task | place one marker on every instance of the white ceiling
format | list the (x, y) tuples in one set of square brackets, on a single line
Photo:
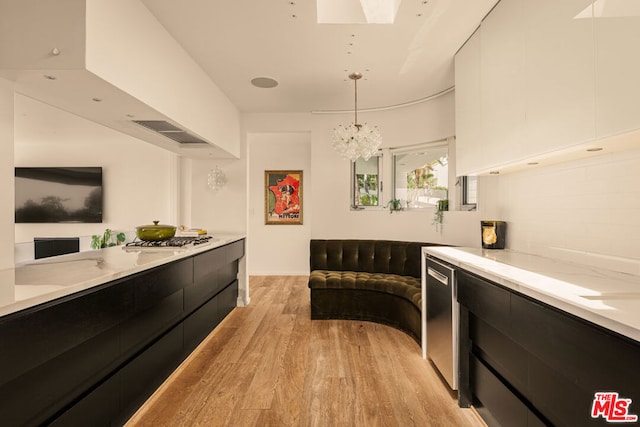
[(237, 40)]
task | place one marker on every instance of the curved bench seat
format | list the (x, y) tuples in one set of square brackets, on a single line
[(406, 287), (371, 280)]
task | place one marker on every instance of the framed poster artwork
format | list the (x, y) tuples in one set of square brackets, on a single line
[(283, 197)]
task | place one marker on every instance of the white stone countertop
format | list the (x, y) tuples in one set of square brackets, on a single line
[(603, 297), (44, 280)]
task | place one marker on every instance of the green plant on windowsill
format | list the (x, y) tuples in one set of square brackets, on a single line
[(441, 207), (394, 205), (438, 217), (106, 240)]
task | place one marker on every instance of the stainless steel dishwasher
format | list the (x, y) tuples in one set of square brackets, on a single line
[(442, 319)]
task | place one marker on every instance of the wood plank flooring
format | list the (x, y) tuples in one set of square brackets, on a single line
[(268, 364)]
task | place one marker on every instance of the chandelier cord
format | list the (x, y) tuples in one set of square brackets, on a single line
[(356, 140), (355, 84)]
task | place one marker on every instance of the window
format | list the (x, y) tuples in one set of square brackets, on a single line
[(421, 176), (469, 200), (366, 182)]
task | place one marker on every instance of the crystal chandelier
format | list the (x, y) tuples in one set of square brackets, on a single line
[(356, 140), (216, 179)]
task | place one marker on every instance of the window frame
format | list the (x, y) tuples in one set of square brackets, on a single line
[(416, 149), (352, 197), (465, 203)]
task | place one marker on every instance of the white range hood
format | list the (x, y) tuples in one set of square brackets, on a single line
[(110, 61)]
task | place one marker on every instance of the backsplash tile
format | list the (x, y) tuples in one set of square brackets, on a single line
[(585, 211)]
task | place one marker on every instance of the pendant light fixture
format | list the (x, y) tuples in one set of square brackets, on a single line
[(356, 140)]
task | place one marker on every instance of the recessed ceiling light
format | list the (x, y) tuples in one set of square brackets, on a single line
[(96, 99), (533, 163), (594, 149), (264, 82), (49, 77)]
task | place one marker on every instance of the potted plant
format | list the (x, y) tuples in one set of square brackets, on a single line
[(441, 207), (106, 239), (394, 205)]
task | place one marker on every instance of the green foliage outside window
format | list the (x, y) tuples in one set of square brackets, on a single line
[(367, 189)]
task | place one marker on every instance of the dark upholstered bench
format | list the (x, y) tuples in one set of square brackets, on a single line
[(372, 280)]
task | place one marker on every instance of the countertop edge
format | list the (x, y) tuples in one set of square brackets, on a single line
[(559, 302), (171, 256)]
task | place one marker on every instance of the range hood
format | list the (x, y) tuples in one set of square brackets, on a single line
[(112, 62), (170, 131)]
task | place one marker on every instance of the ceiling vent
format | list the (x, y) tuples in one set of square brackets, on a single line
[(170, 131)]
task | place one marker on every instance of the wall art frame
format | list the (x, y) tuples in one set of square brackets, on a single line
[(283, 197)]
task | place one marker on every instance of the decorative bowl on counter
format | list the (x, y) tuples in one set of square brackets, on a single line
[(155, 232)]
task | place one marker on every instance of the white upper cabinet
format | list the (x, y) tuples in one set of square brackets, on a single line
[(559, 75), (467, 103), (554, 77), (502, 91), (617, 51)]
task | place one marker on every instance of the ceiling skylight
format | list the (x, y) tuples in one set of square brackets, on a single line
[(357, 11), (611, 9)]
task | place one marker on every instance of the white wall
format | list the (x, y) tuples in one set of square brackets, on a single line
[(139, 179), (6, 173), (583, 211), (278, 249), (327, 191), (223, 211)]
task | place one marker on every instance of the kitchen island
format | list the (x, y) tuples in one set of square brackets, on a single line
[(87, 337), (545, 342)]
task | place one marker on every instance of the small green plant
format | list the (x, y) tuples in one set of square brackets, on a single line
[(438, 217), (106, 239), (394, 205)]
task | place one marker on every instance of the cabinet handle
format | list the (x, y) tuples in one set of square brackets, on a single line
[(438, 276)]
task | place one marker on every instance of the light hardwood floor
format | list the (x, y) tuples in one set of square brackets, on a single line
[(268, 364)]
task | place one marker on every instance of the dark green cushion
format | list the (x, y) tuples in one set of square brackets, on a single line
[(406, 287), (371, 256)]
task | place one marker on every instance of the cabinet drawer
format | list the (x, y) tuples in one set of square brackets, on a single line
[(199, 324), (235, 251), (484, 299), (152, 287), (227, 300), (206, 286), (95, 409), (581, 352), (507, 358), (495, 402), (207, 263), (145, 373), (36, 336)]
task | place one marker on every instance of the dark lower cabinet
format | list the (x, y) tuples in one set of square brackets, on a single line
[(141, 376), (524, 363), (200, 323), (93, 358), (495, 402), (100, 407)]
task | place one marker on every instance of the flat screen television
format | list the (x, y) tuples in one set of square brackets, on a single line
[(58, 194)]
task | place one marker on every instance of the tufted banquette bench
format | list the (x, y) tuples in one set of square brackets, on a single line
[(372, 280)]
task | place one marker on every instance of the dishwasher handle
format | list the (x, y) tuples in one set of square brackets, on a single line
[(438, 276)]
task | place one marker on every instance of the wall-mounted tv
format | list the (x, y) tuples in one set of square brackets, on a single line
[(58, 194)]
